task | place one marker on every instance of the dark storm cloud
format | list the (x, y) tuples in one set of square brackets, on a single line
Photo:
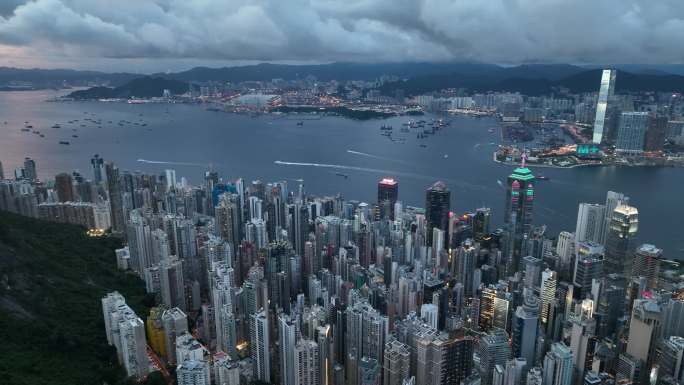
[(504, 31), (8, 6)]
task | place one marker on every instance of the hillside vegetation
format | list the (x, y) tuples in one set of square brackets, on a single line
[(52, 277)]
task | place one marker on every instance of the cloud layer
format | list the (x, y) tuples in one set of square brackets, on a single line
[(501, 31)]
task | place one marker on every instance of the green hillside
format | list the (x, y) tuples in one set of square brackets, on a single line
[(52, 277)]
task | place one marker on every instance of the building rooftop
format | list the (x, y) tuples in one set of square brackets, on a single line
[(388, 181)]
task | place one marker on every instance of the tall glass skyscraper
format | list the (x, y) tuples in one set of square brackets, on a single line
[(437, 204), (518, 219), (605, 93)]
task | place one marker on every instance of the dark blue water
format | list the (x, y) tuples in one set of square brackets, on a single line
[(242, 146)]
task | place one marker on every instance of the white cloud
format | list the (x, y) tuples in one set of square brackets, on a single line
[(503, 31)]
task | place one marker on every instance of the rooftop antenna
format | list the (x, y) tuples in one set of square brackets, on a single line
[(523, 158)]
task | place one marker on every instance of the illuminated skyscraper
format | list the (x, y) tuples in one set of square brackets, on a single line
[(437, 204), (613, 200), (388, 192), (623, 228), (605, 93), (518, 216), (547, 293)]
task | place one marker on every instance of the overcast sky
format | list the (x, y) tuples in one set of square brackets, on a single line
[(158, 35)]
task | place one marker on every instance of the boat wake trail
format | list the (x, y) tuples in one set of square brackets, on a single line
[(171, 163), (375, 156), (336, 166), (352, 168), (432, 178)]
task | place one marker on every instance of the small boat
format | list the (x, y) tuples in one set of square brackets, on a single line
[(543, 177), (74, 136), (423, 145), (300, 123), (25, 129), (56, 126), (386, 128), (446, 156), (64, 142), (491, 130), (345, 176), (29, 126)]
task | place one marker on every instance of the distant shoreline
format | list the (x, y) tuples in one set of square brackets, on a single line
[(544, 165)]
